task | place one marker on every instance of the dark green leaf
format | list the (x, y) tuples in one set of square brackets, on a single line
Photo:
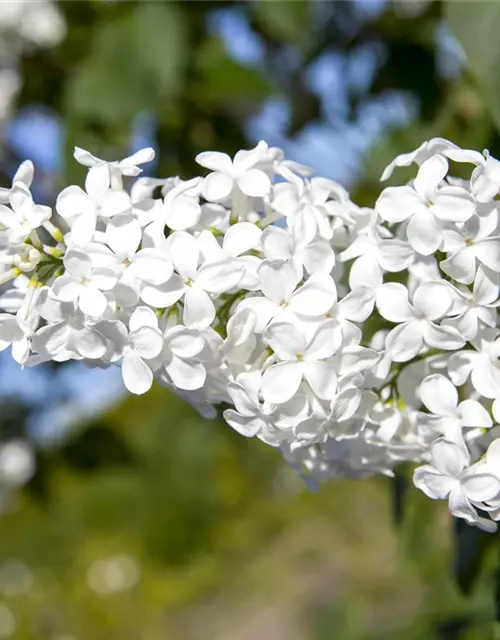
[(470, 548), (97, 447)]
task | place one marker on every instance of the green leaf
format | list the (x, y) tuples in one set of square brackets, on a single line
[(97, 447), (136, 63), (285, 20), (477, 25), (470, 548), (225, 79)]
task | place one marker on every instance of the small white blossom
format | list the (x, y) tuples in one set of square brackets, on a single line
[(241, 172), (416, 321)]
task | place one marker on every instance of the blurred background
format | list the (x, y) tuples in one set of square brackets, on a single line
[(132, 518)]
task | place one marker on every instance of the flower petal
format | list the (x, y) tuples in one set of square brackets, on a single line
[(247, 426), (92, 302), (434, 484), (123, 235), (137, 376), (396, 204), (217, 186), (404, 342), (285, 340), (278, 280), (185, 374), (473, 414), (325, 341), (240, 238), (392, 302), (165, 294), (439, 395), (322, 378), (432, 300), (281, 381), (254, 183), (221, 276), (423, 233), (315, 297), (449, 458), (199, 310), (215, 161)]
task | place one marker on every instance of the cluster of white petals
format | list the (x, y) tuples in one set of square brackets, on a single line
[(353, 339)]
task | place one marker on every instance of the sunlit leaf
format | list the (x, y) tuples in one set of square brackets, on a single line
[(476, 25), (136, 63), (225, 79)]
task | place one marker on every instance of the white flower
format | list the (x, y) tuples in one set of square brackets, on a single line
[(426, 205), (81, 209), (448, 476), (24, 216), (193, 282), (356, 306), (15, 333), (238, 240), (24, 174), (477, 306), (300, 359), (289, 359), (485, 179), (109, 174), (424, 152), (417, 326), (17, 330), (282, 298), (482, 365), (240, 172), (241, 340), (84, 284), (305, 206), (68, 334), (373, 255), (142, 342), (448, 415), (180, 349), (123, 257), (280, 244), (24, 257), (181, 207), (473, 243), (251, 417)]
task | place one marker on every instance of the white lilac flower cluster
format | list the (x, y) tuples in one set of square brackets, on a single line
[(351, 338)]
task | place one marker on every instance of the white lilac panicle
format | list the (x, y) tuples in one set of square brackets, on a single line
[(353, 339)]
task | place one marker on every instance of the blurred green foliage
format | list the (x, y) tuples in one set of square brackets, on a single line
[(229, 543), (226, 543), (477, 27)]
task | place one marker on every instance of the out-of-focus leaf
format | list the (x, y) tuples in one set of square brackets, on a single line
[(97, 447), (225, 79), (423, 81), (284, 20), (496, 598), (476, 25), (136, 63), (470, 548), (399, 490)]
